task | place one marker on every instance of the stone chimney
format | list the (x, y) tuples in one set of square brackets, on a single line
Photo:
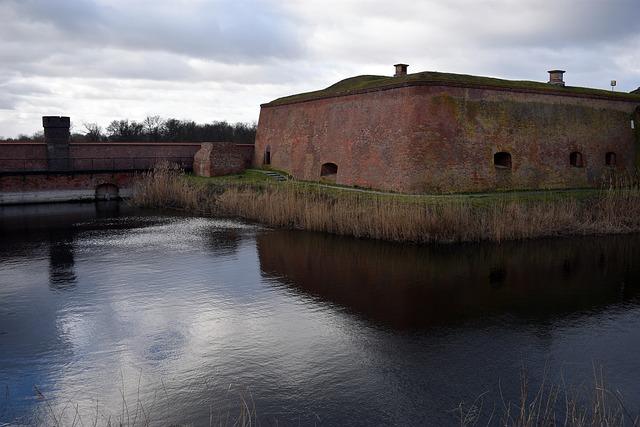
[(56, 136), (401, 70), (556, 77)]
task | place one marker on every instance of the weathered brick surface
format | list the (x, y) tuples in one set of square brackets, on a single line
[(63, 181), (131, 154), (442, 139), (97, 156), (23, 156), (222, 158)]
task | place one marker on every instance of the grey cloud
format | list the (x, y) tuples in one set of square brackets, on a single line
[(225, 30), (12, 92), (219, 59), (558, 24), (24, 88), (6, 103)]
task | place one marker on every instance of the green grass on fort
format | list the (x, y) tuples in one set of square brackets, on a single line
[(371, 82), (258, 178)]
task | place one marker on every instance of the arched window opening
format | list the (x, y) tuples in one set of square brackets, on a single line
[(107, 192), (610, 158), (502, 160), (267, 155), (329, 172), (575, 159)]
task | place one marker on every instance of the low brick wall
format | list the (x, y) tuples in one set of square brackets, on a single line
[(131, 155), (98, 156), (23, 156), (64, 181), (222, 158), (63, 186), (26, 175)]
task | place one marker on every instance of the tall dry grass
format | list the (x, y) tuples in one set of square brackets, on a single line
[(224, 411), (551, 404), (615, 209)]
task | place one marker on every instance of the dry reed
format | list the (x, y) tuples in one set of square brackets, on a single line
[(551, 404), (548, 404), (615, 209), (240, 411)]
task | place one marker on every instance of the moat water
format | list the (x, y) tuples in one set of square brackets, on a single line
[(183, 318)]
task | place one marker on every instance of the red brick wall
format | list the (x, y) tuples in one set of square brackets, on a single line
[(442, 139), (21, 156), (222, 158), (120, 155), (63, 181), (131, 154)]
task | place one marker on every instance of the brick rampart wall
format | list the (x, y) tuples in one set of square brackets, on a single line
[(131, 154), (63, 181), (222, 158), (97, 156), (21, 156), (443, 139)]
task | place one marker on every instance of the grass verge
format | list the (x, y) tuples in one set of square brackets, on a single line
[(396, 217)]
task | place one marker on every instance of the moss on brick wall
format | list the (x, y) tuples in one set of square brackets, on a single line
[(443, 139)]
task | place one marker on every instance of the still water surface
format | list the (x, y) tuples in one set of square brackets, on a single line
[(183, 316)]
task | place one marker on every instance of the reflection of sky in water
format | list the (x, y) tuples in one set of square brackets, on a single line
[(182, 307)]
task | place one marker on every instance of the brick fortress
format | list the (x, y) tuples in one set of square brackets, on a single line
[(436, 132)]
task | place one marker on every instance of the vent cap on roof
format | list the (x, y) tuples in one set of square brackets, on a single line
[(556, 77), (401, 70)]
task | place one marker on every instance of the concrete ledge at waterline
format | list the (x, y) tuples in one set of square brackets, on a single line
[(55, 196)]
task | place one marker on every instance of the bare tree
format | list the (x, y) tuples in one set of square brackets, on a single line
[(125, 130), (157, 129), (153, 127), (93, 132)]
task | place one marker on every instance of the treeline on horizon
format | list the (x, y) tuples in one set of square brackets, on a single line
[(156, 129)]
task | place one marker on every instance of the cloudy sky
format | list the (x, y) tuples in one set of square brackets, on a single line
[(99, 60)]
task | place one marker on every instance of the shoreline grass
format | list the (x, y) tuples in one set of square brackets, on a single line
[(551, 404), (396, 217), (544, 401)]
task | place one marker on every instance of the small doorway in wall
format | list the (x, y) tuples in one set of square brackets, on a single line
[(610, 158), (502, 160), (575, 159), (502, 164), (329, 172), (267, 155), (107, 192)]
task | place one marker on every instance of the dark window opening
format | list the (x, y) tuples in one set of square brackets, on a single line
[(575, 159), (610, 159), (267, 155), (497, 276), (107, 192), (502, 160), (329, 171)]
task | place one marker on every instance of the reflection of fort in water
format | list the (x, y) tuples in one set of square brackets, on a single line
[(409, 286), (62, 274), (23, 226)]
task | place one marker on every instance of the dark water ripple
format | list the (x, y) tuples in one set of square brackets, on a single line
[(184, 314)]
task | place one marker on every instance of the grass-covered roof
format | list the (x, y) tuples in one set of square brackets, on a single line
[(368, 83)]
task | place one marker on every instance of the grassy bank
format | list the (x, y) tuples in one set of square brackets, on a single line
[(457, 218)]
